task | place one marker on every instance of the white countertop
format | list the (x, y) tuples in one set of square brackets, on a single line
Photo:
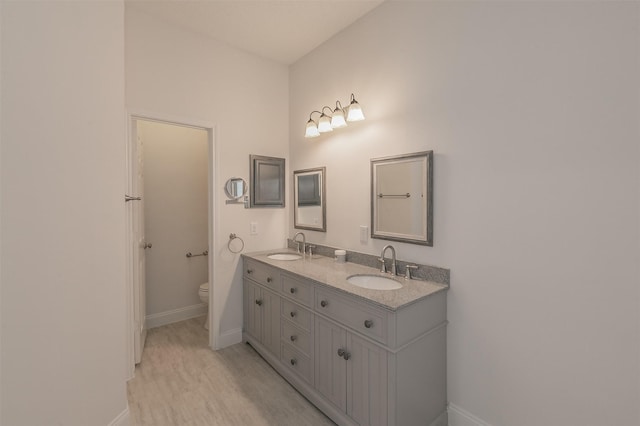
[(328, 272)]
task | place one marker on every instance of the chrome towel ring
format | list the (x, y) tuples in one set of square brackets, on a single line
[(233, 237)]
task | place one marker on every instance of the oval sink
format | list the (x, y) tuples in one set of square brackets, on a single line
[(284, 256), (374, 282)]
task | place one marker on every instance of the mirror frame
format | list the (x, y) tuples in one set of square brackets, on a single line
[(257, 198), (323, 198), (427, 239), (229, 182)]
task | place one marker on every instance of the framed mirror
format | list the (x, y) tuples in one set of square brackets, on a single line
[(235, 188), (309, 199), (267, 181), (402, 198)]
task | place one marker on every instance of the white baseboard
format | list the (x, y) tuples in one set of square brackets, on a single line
[(229, 338), (461, 417), (122, 419), (175, 315)]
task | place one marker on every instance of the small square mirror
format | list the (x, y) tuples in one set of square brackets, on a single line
[(267, 181)]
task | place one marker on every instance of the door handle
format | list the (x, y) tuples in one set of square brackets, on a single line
[(130, 198), (147, 245)]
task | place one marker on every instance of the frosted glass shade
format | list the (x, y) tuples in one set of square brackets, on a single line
[(337, 120), (324, 124), (355, 112), (312, 130)]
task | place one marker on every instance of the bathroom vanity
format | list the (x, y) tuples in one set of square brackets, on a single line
[(362, 356)]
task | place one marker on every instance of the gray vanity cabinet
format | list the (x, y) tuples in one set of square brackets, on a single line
[(262, 308), (357, 361), (351, 373)]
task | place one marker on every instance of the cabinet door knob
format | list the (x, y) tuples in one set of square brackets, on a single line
[(346, 356), (292, 290), (293, 338), (324, 303), (368, 323), (258, 302), (293, 314), (269, 279), (249, 271), (293, 361), (341, 352)]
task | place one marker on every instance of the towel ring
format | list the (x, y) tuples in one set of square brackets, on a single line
[(235, 237)]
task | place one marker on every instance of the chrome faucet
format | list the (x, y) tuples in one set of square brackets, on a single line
[(393, 260), (304, 242)]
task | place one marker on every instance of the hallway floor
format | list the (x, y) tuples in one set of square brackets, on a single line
[(180, 381)]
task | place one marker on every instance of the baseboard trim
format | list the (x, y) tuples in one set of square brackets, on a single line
[(122, 419), (461, 417), (229, 338), (175, 315)]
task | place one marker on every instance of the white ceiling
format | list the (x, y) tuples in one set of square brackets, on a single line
[(281, 30)]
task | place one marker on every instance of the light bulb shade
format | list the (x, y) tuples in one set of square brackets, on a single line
[(324, 124), (312, 130), (337, 120), (355, 112)]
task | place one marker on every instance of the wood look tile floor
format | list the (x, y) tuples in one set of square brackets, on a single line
[(181, 381)]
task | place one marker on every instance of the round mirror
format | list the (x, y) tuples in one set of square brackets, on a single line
[(235, 188)]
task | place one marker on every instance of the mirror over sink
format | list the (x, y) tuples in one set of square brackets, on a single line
[(309, 199), (402, 198)]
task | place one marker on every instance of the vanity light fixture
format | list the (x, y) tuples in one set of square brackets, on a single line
[(312, 127), (355, 110), (335, 119), (324, 122)]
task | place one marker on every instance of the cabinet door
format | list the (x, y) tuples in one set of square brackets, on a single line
[(366, 382), (271, 321), (330, 367), (253, 313)]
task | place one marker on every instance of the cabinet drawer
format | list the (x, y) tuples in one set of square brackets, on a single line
[(367, 320), (297, 338), (298, 362), (297, 290), (297, 314), (262, 274)]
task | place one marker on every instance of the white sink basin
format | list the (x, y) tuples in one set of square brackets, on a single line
[(374, 282), (284, 256)]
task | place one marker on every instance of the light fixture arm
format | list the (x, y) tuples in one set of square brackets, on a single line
[(331, 111), (310, 114)]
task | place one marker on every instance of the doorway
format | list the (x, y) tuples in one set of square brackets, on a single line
[(171, 170)]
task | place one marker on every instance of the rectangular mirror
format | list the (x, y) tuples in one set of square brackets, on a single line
[(309, 204), (402, 198), (267, 181)]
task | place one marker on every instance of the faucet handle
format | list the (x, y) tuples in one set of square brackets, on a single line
[(408, 271), (310, 247), (383, 269)]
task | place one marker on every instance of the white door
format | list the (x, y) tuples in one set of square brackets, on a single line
[(138, 244)]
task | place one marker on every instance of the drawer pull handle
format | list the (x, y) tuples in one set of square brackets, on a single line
[(292, 290), (324, 303), (269, 279), (346, 356), (258, 302), (341, 352), (293, 338), (293, 361), (249, 271), (293, 314), (368, 323)]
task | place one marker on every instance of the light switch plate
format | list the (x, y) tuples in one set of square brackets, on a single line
[(253, 228), (364, 233)]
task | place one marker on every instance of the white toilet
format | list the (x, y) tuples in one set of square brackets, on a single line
[(204, 297)]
